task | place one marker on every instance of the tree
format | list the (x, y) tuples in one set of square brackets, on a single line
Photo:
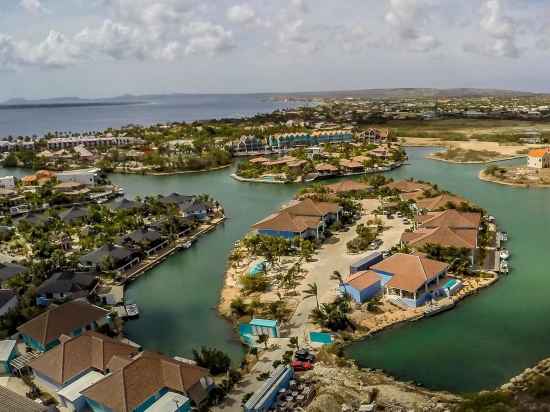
[(254, 352), (336, 275), (312, 291), (263, 338), (214, 360), (294, 342)]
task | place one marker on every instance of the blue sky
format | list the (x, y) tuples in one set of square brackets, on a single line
[(95, 48)]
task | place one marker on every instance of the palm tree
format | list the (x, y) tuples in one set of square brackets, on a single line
[(336, 275), (263, 339), (312, 291), (294, 342)]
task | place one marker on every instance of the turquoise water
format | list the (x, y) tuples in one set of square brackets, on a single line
[(492, 336)]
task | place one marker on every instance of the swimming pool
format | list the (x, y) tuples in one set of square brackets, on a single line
[(259, 267)]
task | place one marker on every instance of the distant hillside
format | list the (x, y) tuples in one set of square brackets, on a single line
[(415, 92)]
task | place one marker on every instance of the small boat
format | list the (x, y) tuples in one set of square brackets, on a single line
[(504, 267), (187, 245), (504, 254), (433, 310), (132, 310), (490, 218), (504, 236)]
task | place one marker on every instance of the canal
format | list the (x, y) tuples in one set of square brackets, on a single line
[(480, 344)]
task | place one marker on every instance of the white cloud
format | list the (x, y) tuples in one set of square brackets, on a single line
[(500, 30), (241, 14), (33, 6), (208, 38), (405, 18)]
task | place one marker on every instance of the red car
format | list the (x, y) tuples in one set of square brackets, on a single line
[(299, 366)]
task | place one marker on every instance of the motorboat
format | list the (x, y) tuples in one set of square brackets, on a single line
[(504, 254)]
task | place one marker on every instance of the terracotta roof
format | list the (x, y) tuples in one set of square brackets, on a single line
[(347, 186), (309, 207), (409, 272), (361, 159), (259, 160), (286, 222), (61, 320), (135, 381), (538, 152), (407, 186), (350, 164), (443, 236), (76, 355), (325, 167), (363, 280), (441, 201), (450, 218)]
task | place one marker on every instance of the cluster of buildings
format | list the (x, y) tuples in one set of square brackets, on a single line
[(539, 158), (249, 145), (64, 352), (306, 219), (92, 141)]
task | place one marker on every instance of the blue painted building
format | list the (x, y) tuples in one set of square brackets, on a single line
[(362, 286), (366, 262)]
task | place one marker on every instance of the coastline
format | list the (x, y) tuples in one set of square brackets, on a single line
[(181, 172), (474, 162), (487, 178)]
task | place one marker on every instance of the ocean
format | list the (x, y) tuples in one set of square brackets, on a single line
[(41, 119)]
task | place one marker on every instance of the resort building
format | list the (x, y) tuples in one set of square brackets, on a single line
[(376, 136), (6, 146), (148, 382), (306, 219), (77, 361), (72, 319), (332, 136), (289, 140), (67, 142), (409, 279), (264, 398), (539, 158), (249, 145)]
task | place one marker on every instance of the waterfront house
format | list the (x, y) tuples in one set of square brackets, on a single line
[(305, 219), (539, 158), (450, 218), (109, 257), (410, 279), (362, 286), (8, 301), (10, 270), (87, 177), (77, 362), (18, 403), (146, 239), (8, 352), (249, 144), (326, 169), (196, 209), (83, 153), (148, 382), (65, 285), (351, 167), (72, 319), (443, 201)]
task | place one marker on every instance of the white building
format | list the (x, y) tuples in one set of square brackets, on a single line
[(539, 158), (7, 182), (84, 176)]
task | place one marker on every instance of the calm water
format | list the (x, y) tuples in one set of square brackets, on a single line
[(480, 344), (29, 121)]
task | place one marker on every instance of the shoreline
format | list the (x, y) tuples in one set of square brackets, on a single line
[(474, 162), (486, 178), (181, 172)]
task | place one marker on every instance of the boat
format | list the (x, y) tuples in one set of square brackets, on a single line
[(433, 310), (187, 244), (132, 310), (504, 267), (503, 236), (490, 219), (504, 254)]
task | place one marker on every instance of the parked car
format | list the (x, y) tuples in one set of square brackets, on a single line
[(304, 355), (390, 216), (375, 244), (299, 366)]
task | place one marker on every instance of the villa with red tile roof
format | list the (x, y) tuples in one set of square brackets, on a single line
[(539, 158)]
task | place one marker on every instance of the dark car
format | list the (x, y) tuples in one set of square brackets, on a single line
[(304, 355)]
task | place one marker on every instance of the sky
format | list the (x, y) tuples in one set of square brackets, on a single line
[(97, 48)]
